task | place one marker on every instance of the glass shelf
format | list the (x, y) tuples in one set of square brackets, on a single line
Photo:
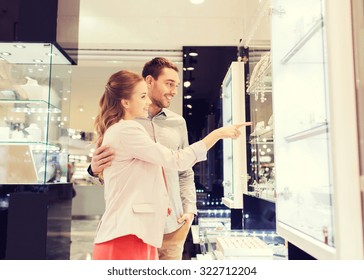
[(37, 146), (318, 129), (316, 26), (262, 194), (266, 132), (29, 106)]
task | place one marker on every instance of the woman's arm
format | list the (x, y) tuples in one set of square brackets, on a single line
[(231, 131), (136, 142)]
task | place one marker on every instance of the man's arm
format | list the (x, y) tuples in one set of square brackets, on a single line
[(101, 158), (188, 195), (187, 186)]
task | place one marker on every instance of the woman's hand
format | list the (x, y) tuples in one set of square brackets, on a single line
[(232, 131)]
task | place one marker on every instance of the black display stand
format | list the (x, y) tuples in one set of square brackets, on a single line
[(295, 253), (259, 214), (236, 219), (36, 223)]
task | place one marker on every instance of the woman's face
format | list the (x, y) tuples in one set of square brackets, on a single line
[(139, 101)]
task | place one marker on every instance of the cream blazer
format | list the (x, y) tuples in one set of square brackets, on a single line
[(136, 196)]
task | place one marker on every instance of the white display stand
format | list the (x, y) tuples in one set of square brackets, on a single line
[(234, 151)]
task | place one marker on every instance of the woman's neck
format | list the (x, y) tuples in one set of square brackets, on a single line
[(128, 116)]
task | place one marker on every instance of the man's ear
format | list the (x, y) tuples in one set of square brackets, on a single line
[(125, 103), (149, 80)]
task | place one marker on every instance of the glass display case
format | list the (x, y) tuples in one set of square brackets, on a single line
[(261, 170), (234, 151), (242, 244), (262, 177), (35, 86), (313, 101)]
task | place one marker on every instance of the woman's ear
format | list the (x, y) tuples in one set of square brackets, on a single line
[(125, 103)]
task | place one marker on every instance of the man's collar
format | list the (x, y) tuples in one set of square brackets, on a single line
[(162, 113)]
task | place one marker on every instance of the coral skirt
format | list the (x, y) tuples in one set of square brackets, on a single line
[(128, 247)]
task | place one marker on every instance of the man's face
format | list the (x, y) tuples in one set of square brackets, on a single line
[(162, 90)]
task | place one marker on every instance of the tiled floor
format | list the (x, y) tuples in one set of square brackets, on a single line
[(82, 236)]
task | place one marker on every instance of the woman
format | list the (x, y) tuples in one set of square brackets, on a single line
[(136, 195)]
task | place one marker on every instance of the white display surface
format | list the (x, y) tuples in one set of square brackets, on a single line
[(234, 151), (311, 199)]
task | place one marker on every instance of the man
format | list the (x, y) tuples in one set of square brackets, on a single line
[(169, 129)]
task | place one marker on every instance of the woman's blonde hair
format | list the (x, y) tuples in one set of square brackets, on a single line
[(119, 86)]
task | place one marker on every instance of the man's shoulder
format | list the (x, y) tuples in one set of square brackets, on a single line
[(173, 115)]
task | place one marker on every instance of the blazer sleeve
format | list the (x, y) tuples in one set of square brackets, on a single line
[(138, 144)]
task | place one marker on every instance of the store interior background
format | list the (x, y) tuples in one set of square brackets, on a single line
[(116, 35), (202, 40)]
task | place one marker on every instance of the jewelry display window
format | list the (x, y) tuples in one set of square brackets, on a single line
[(261, 140), (35, 88), (302, 140), (317, 140)]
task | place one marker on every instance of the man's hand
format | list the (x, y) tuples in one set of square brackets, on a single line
[(186, 218), (101, 158)]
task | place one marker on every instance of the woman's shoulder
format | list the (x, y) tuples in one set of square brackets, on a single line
[(124, 129), (126, 126)]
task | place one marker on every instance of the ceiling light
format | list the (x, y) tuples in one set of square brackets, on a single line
[(115, 61), (187, 84), (190, 68), (188, 97), (189, 106), (193, 54), (5, 53)]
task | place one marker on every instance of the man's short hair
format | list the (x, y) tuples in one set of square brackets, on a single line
[(155, 66)]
